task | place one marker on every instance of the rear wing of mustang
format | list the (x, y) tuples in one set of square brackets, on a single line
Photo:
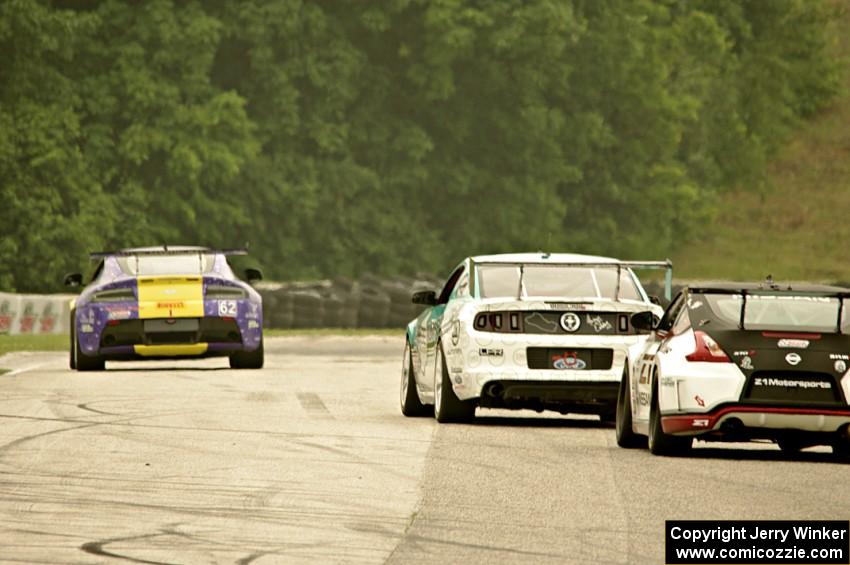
[(666, 265), (165, 251)]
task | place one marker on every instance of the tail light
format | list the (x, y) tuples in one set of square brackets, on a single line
[(505, 322), (225, 292), (114, 295), (707, 350)]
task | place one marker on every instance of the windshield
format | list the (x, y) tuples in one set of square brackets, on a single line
[(557, 281), (183, 264), (777, 312)]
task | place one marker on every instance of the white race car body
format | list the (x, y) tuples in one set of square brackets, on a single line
[(564, 352), (706, 376)]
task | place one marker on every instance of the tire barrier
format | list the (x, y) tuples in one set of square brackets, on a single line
[(34, 314), (370, 302)]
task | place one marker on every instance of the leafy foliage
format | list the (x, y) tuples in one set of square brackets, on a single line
[(343, 137)]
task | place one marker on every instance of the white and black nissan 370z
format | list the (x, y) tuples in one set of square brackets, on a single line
[(741, 362)]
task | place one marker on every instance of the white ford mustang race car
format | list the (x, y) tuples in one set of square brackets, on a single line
[(532, 330), (741, 362)]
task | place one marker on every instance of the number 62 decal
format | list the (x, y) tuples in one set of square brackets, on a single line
[(227, 308)]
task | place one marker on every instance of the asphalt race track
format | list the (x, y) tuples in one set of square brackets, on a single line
[(310, 461)]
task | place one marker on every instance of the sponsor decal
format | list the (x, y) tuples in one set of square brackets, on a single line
[(568, 305), (455, 331), (643, 398), (253, 311), (793, 343), (118, 314), (170, 305), (700, 423), (668, 381), (569, 360), (598, 323), (747, 363), (570, 322), (227, 308), (541, 322), (791, 383), (86, 328), (841, 366), (490, 352), (841, 356), (699, 401), (793, 359), (253, 324)]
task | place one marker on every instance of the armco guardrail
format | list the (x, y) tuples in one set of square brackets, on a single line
[(34, 314)]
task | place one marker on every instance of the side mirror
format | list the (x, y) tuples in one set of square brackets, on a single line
[(655, 300), (644, 321), (253, 275), (73, 279), (426, 297)]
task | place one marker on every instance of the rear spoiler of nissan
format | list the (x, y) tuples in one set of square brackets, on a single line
[(667, 265), (772, 289), (165, 251)]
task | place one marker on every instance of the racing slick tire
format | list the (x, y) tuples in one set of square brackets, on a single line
[(659, 442), (411, 406), (72, 354), (447, 406), (841, 445), (248, 359), (791, 445), (626, 437), (83, 362)]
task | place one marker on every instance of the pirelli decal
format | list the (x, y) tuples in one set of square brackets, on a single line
[(171, 297)]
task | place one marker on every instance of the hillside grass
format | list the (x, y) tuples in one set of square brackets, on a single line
[(10, 343), (798, 227)]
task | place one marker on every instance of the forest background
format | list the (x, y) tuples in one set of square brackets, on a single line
[(337, 138)]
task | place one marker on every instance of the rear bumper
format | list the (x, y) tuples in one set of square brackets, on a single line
[(584, 397), (756, 421)]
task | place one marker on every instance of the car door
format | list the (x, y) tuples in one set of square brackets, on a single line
[(645, 363), (434, 322)]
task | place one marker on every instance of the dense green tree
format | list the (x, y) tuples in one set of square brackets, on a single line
[(390, 136)]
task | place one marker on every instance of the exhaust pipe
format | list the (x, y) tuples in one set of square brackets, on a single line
[(494, 390)]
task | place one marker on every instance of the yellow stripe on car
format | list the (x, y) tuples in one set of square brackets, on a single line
[(171, 297), (170, 350)]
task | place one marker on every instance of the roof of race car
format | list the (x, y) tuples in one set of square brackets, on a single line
[(542, 258), (766, 286)]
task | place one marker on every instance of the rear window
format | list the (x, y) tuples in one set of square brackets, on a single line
[(775, 312), (502, 281), (183, 264)]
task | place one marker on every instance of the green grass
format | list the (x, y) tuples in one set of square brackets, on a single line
[(335, 332), (798, 227), (9, 343)]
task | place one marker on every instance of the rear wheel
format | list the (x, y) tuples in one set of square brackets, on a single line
[(72, 353), (659, 442), (248, 359), (447, 406), (411, 406), (841, 445), (791, 444), (626, 437), (83, 362)]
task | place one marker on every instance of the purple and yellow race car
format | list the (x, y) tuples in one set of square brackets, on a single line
[(163, 303)]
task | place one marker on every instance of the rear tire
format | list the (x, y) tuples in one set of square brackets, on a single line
[(447, 406), (83, 362), (626, 436), (659, 442), (72, 353), (248, 359), (790, 445), (411, 406)]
